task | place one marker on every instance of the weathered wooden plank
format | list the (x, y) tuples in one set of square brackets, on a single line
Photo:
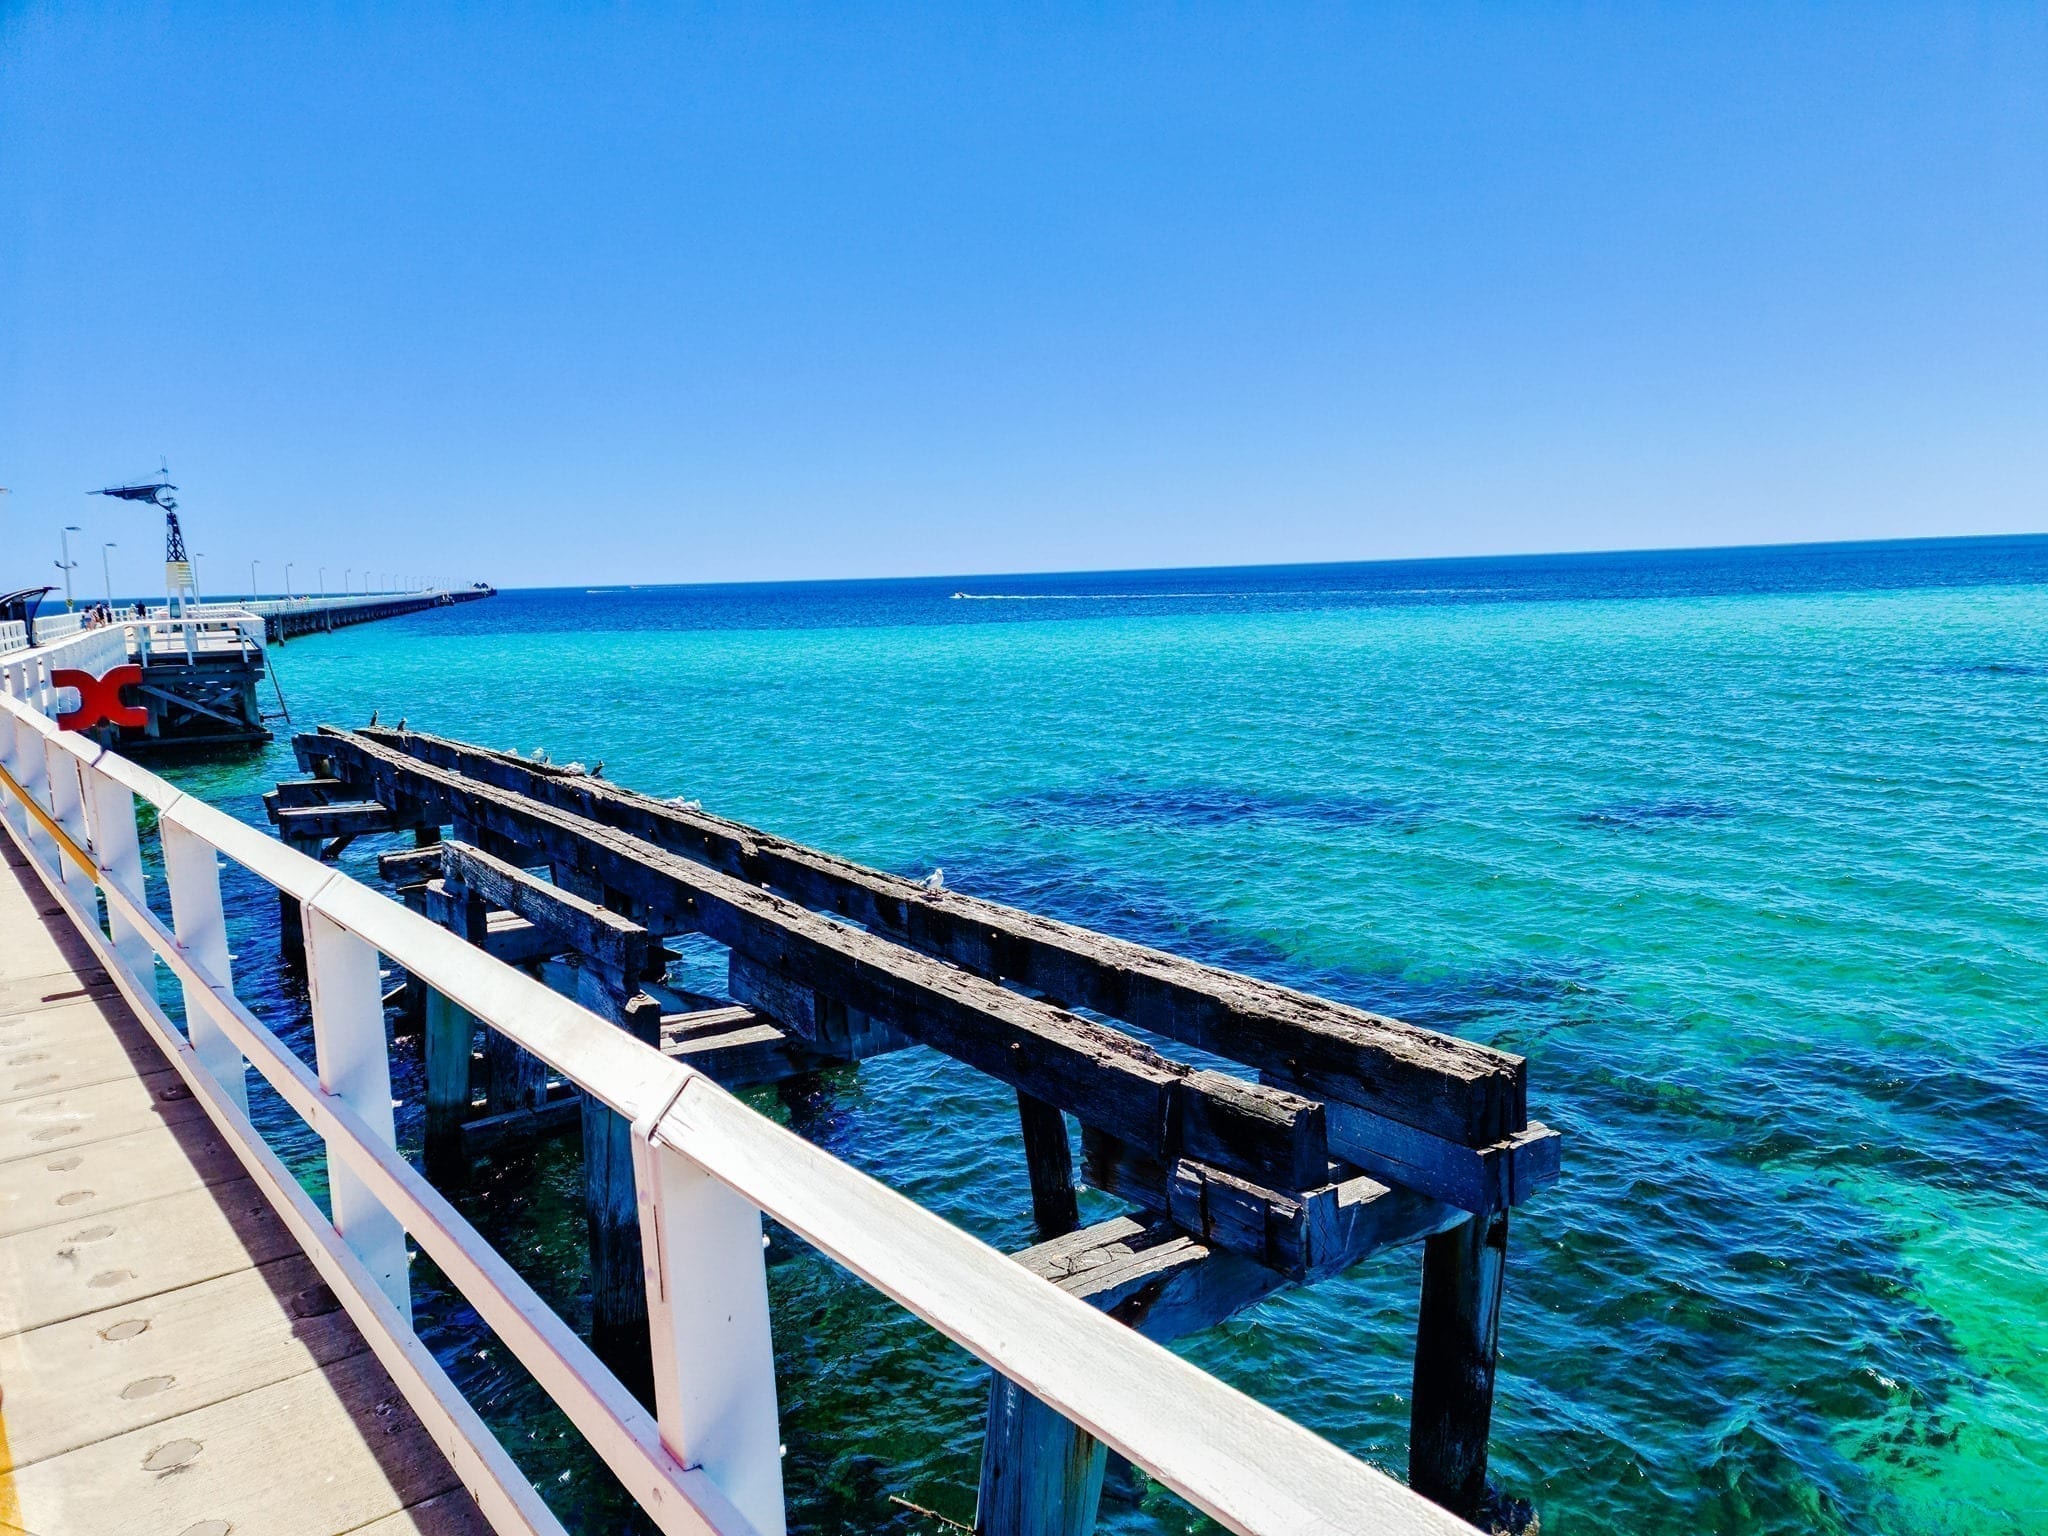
[(350, 818), (1100, 1075), (121, 1255), (295, 793), (69, 1045), (1302, 1235), (1449, 1087), (1471, 1178), (581, 925), (559, 1113), (1457, 1341), (105, 1373), (736, 1047), (27, 991), (78, 1182), (69, 1120), (833, 1029), (405, 866), (314, 1455)]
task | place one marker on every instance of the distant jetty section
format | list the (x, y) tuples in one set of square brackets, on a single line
[(188, 680)]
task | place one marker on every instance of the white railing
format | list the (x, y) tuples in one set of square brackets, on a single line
[(13, 636), (707, 1167), (28, 674)]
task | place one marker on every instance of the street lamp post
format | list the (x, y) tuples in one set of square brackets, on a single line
[(252, 579), (323, 581), (287, 581), (106, 574), (67, 565)]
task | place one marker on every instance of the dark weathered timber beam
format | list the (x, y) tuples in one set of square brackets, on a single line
[(1303, 1235), (303, 792), (1101, 1076), (837, 1031), (506, 935), (1451, 1088), (1478, 1179), (736, 1048), (349, 819), (583, 926), (406, 866), (1151, 1276)]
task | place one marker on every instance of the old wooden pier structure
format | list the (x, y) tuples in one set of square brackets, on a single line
[(191, 678), (1269, 1139)]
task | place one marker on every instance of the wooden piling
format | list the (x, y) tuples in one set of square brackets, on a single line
[(1456, 1346), (618, 1281), (1041, 1475), (1049, 1156)]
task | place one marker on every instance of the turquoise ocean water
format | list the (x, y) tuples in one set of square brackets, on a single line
[(1743, 850)]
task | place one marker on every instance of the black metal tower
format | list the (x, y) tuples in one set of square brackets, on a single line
[(179, 586)]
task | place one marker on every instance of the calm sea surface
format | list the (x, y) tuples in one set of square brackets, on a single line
[(1743, 849)]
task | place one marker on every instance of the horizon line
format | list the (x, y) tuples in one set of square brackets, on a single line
[(1303, 565)]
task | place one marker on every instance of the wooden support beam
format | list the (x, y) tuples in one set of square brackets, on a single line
[(348, 819), (1049, 1158), (1457, 1342), (578, 924), (294, 793), (736, 1047), (1477, 1179), (833, 1030), (1449, 1088), (1102, 1076), (560, 1112), (406, 866), (1302, 1235)]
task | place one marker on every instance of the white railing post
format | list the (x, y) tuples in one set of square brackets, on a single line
[(65, 801), (13, 737), (192, 870), (707, 1315), (31, 771), (110, 810), (355, 1066)]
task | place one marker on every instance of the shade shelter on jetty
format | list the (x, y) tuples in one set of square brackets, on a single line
[(1344, 1135)]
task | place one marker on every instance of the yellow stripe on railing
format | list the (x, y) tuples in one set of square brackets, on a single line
[(76, 854)]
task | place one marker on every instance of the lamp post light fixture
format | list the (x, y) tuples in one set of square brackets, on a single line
[(67, 565), (107, 575)]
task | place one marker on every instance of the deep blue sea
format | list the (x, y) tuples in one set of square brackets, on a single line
[(1744, 849)]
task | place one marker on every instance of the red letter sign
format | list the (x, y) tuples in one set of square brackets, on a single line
[(99, 698)]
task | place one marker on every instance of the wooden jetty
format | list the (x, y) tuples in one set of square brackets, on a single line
[(194, 677), (1344, 1135)]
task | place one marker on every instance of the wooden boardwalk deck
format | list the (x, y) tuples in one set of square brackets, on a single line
[(169, 1360)]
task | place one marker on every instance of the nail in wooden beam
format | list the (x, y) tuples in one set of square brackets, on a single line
[(1456, 1346)]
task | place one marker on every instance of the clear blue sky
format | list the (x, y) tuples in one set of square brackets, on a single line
[(608, 295)]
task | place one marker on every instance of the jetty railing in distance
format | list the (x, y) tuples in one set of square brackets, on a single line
[(706, 1167)]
